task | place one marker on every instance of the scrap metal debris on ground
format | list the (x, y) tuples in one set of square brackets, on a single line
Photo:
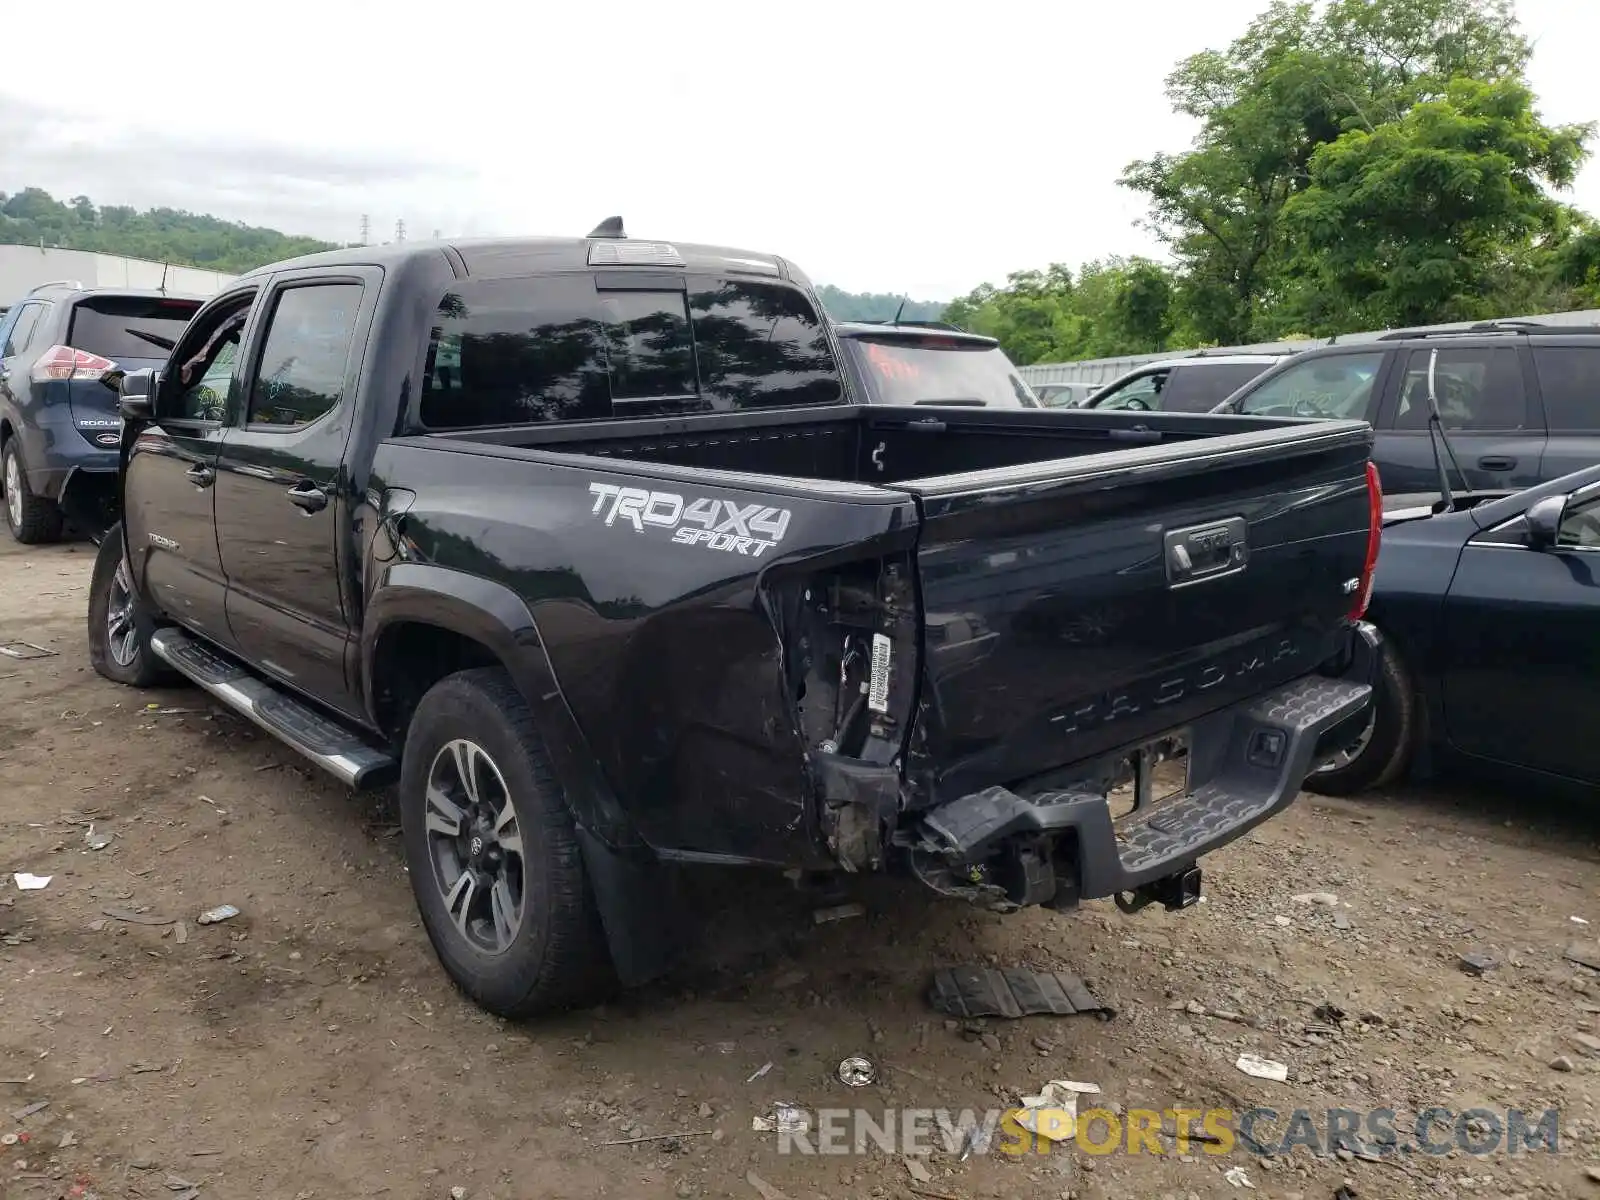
[(856, 1071), (1013, 992), (25, 650)]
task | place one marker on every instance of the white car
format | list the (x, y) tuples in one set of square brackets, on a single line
[(1197, 383)]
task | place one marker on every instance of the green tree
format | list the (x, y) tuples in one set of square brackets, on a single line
[(1436, 216), (1114, 306), (1299, 80), (33, 216), (874, 306)]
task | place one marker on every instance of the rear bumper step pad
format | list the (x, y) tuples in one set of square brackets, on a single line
[(1250, 762)]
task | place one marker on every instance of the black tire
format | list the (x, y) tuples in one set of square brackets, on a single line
[(33, 520), (1395, 731), (555, 955), (122, 654)]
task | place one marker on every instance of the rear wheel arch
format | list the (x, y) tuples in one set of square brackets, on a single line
[(450, 619), (428, 624)]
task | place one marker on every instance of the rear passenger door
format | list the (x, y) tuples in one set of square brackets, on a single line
[(282, 499), (1199, 388), (1496, 432), (1568, 376)]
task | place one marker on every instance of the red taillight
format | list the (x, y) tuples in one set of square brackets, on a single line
[(63, 362), (1374, 541)]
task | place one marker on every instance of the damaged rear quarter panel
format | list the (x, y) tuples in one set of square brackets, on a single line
[(658, 628)]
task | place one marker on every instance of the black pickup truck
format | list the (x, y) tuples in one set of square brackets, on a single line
[(588, 542)]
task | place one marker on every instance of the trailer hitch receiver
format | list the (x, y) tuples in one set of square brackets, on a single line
[(1172, 892)]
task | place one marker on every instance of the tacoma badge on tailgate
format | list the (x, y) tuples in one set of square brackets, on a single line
[(1203, 552)]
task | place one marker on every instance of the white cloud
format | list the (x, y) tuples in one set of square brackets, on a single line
[(882, 146)]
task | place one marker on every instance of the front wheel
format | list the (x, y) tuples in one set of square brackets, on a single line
[(1383, 751), (119, 625), (493, 853)]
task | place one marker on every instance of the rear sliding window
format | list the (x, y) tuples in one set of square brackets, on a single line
[(938, 371), (124, 327), (579, 347)]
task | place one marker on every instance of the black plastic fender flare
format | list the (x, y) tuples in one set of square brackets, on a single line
[(635, 893)]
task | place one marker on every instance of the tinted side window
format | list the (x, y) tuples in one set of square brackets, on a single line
[(760, 346), (1142, 393), (1476, 387), (301, 375), (1200, 389), (1335, 385), (556, 348), (1569, 378), (514, 351), (22, 330)]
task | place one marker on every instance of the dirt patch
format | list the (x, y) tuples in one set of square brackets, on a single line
[(312, 1048)]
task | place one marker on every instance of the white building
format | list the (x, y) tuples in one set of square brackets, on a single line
[(23, 268)]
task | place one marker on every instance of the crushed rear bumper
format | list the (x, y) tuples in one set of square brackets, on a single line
[(1245, 764)]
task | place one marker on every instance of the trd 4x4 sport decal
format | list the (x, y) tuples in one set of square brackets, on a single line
[(723, 525)]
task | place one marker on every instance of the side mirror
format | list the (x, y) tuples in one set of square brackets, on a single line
[(137, 398), (1544, 521)]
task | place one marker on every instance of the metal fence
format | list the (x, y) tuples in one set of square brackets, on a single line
[(1104, 370)]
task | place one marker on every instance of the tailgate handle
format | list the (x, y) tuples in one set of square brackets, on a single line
[(1198, 553), (927, 425)]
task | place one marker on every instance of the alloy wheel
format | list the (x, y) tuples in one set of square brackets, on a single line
[(122, 634), (475, 846), (13, 491)]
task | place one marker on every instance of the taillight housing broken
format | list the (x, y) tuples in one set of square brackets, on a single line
[(1374, 541), (63, 362)]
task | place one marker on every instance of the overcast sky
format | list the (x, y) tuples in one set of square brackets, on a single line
[(882, 146)]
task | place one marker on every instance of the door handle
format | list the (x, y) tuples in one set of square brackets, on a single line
[(200, 475), (308, 496), (1496, 462)]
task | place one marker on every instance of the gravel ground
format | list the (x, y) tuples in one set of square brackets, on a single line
[(311, 1047)]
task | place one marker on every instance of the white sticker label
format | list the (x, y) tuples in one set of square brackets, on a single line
[(878, 690)]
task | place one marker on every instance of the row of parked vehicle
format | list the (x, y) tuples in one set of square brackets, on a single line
[(1487, 444), (618, 557)]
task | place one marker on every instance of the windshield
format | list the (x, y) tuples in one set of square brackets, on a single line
[(938, 371), (1336, 385)]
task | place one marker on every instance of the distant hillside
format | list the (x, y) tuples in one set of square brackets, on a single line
[(161, 234), (191, 239), (875, 306)]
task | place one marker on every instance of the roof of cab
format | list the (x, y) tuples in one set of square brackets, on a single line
[(500, 258)]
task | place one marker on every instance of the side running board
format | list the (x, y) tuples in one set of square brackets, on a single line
[(325, 742)]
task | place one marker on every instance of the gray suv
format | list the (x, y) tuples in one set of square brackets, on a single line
[(1520, 402)]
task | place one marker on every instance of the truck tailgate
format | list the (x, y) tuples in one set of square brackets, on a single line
[(1079, 606)]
